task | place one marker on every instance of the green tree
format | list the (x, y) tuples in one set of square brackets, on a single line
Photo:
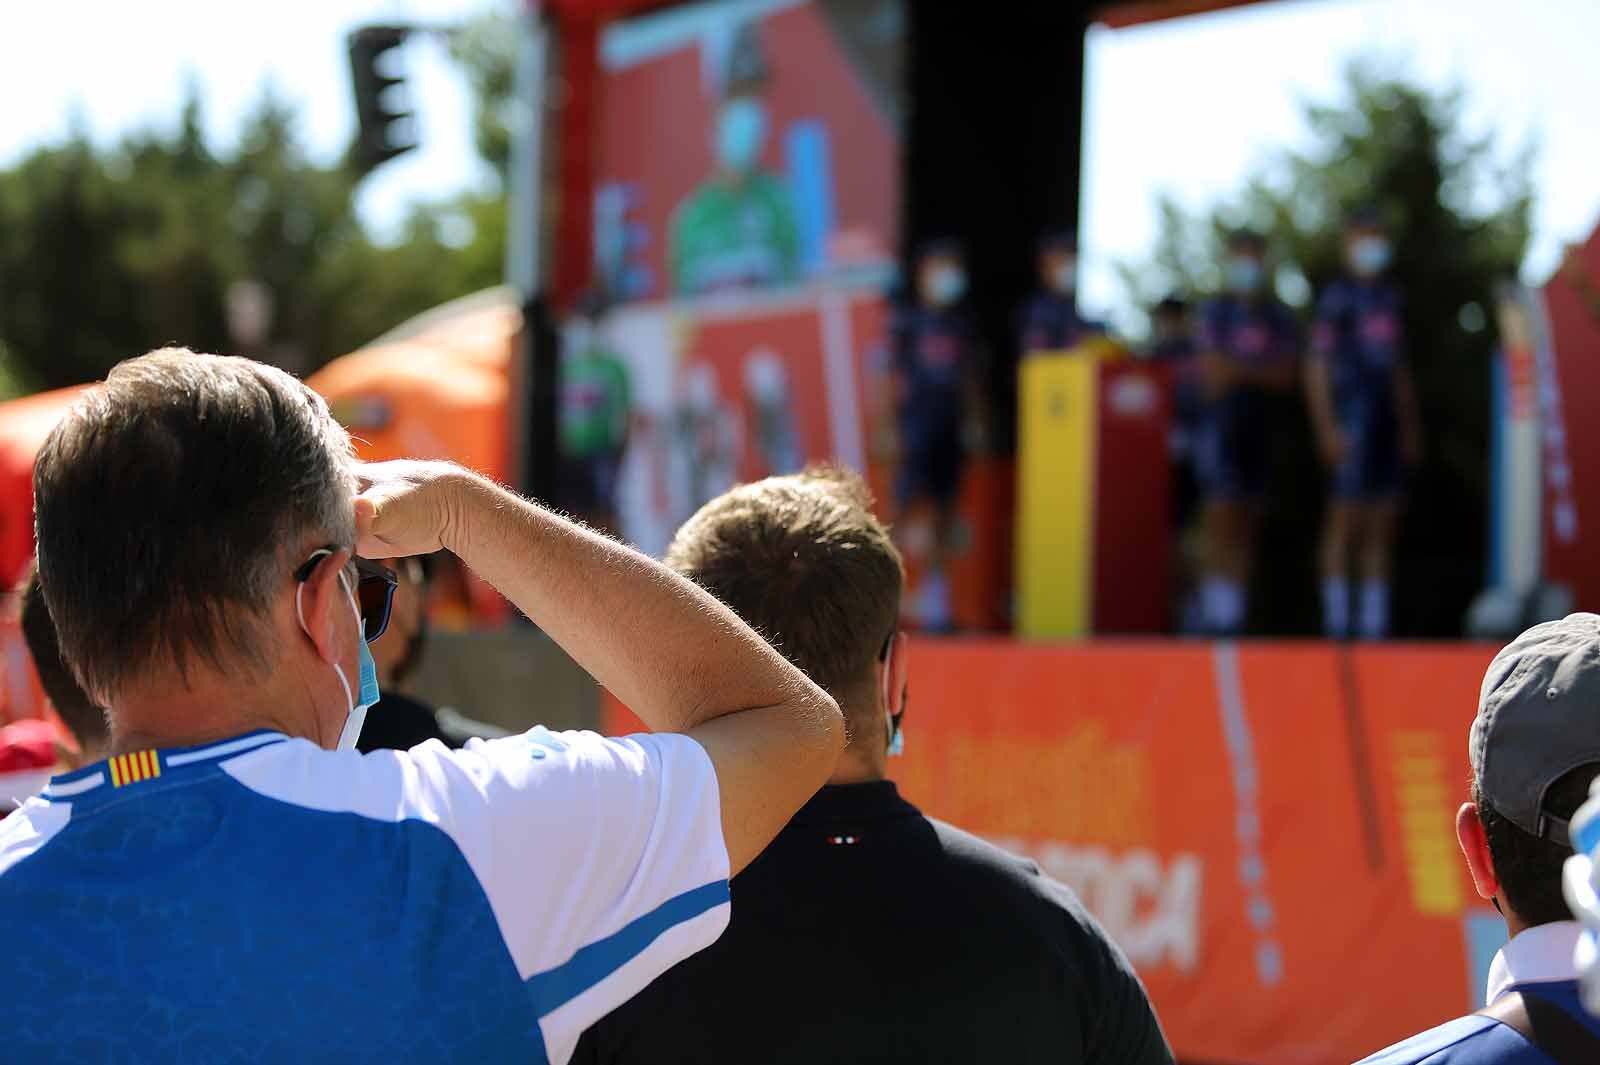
[(108, 251), (1460, 224), (486, 50)]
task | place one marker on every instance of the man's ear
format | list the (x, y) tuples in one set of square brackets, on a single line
[(892, 674), (324, 606), (1475, 848)]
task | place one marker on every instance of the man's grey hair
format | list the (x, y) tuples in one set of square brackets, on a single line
[(172, 505)]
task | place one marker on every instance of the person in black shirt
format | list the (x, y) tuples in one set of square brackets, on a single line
[(399, 721), (928, 944)]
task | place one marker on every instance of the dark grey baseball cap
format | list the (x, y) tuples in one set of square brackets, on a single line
[(1538, 719)]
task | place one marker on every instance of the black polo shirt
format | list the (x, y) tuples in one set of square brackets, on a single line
[(398, 722), (868, 932)]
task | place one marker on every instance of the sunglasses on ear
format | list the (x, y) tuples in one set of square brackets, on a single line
[(375, 587)]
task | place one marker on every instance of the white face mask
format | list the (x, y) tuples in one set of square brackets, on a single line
[(356, 715)]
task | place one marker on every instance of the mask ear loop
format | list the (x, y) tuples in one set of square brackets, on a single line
[(300, 616)]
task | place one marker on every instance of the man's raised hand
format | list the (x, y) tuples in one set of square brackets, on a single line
[(406, 507)]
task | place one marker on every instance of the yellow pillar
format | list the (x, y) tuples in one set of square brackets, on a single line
[(1058, 412)]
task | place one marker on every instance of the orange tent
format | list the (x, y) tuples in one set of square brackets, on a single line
[(24, 424), (435, 388)]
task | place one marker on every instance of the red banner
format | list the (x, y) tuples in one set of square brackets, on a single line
[(1571, 440), (1266, 829)]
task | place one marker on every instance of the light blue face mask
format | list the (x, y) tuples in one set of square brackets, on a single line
[(1369, 256), (947, 285), (1244, 274), (367, 693), (741, 130), (367, 690)]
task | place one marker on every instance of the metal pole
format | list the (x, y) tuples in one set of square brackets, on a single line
[(533, 408)]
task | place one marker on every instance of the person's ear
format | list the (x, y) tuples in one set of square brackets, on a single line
[(1475, 848), (892, 674), (324, 606)]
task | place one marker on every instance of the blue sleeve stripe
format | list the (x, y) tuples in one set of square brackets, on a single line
[(554, 988)]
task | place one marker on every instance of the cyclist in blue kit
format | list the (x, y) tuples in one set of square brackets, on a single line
[(938, 399), (1363, 408), (1249, 348), (1050, 319)]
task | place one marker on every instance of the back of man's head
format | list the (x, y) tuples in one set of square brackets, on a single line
[(172, 503), (1535, 746), (1528, 867), (83, 718), (803, 561)]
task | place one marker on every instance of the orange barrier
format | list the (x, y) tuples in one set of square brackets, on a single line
[(1266, 829)]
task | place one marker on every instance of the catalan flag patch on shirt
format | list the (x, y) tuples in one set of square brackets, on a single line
[(131, 768)]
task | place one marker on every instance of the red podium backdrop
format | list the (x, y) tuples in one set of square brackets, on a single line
[(1571, 439), (1266, 829)]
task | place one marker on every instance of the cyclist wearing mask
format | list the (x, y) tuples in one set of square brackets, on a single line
[(1249, 346), (1363, 408), (939, 404)]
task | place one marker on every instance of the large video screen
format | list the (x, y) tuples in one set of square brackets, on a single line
[(747, 145)]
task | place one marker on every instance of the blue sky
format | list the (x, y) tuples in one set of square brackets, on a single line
[(1188, 106)]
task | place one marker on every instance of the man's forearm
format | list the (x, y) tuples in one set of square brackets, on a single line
[(667, 649)]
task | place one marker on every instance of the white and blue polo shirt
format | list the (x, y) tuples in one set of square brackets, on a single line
[(263, 899)]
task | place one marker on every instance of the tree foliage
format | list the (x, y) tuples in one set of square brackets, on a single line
[(486, 50), (108, 251), (1460, 224)]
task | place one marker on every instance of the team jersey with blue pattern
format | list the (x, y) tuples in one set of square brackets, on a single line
[(1250, 331), (1051, 322), (1358, 332), (263, 899), (932, 351), (1358, 336), (1479, 1040), (1233, 445)]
